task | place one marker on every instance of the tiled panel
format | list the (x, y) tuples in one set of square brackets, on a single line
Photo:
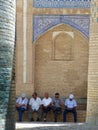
[(62, 3), (44, 22)]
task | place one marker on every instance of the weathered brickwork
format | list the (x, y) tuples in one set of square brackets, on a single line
[(92, 106), (7, 40), (56, 68), (38, 31), (46, 61)]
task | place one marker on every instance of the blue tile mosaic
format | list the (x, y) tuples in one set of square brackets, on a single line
[(61, 3), (42, 23)]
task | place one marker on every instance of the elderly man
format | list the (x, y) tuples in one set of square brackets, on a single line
[(70, 106), (21, 105), (46, 105), (34, 106), (58, 103)]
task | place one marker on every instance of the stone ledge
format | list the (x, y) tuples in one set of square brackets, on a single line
[(81, 115)]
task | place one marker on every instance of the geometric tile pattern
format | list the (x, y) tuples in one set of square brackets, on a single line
[(94, 11), (61, 3), (42, 23)]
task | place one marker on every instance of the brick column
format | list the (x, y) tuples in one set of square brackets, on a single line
[(7, 40), (92, 104)]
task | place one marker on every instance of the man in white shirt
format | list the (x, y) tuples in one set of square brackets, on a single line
[(46, 105), (70, 106), (21, 105), (34, 106)]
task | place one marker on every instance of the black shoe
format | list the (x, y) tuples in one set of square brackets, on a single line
[(38, 119), (19, 121), (55, 120), (32, 119), (44, 119)]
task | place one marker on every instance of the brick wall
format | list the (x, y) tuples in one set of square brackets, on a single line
[(92, 106), (30, 64), (61, 62), (47, 68)]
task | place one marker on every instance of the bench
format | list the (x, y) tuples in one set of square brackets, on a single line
[(81, 113)]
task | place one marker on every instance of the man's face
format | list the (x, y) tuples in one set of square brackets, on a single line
[(23, 98), (46, 95), (57, 96), (34, 96)]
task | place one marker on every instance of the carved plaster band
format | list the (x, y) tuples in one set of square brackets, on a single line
[(59, 32), (24, 40)]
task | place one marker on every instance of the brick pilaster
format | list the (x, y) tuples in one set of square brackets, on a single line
[(92, 104)]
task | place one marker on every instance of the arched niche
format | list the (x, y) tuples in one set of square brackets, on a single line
[(62, 45)]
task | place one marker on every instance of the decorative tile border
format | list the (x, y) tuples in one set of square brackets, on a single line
[(61, 3), (42, 23)]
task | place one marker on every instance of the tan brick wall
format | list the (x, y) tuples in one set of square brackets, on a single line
[(67, 69), (92, 106), (62, 74), (46, 68)]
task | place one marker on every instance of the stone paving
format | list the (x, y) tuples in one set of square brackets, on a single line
[(54, 126)]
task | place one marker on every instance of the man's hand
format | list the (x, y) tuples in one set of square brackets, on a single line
[(69, 108)]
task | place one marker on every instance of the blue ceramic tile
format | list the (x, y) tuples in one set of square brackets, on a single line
[(62, 3), (42, 23)]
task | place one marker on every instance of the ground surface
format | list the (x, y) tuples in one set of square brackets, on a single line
[(54, 126)]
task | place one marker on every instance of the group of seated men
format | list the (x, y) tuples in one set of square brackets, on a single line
[(43, 106)]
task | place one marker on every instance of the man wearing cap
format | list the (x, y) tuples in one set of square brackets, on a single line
[(70, 106), (21, 105)]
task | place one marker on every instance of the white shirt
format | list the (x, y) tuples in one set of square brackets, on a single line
[(35, 103), (22, 101), (46, 101), (70, 104)]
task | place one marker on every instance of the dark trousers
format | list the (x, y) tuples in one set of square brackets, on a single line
[(72, 111), (45, 111), (20, 112), (31, 112), (56, 111)]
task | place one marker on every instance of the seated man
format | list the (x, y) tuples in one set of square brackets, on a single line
[(34, 106), (21, 105), (46, 105), (57, 106), (70, 106)]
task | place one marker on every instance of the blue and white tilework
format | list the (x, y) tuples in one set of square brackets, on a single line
[(61, 3), (42, 23)]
